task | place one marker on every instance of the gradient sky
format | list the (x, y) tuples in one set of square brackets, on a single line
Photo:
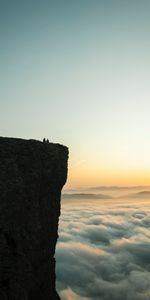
[(77, 72)]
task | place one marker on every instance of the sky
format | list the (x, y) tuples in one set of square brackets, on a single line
[(77, 73)]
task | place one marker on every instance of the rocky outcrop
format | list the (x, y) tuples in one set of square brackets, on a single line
[(32, 174)]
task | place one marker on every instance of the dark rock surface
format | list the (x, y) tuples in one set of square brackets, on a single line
[(32, 175)]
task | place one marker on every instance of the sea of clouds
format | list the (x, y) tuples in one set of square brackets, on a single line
[(103, 250)]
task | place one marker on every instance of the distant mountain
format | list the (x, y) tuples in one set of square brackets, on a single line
[(86, 196), (117, 188), (107, 189), (143, 194)]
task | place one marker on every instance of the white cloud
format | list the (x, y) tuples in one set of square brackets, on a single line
[(103, 253)]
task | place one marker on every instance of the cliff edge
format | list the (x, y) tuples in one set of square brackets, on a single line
[(32, 174)]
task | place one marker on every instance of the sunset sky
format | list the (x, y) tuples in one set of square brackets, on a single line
[(78, 72)]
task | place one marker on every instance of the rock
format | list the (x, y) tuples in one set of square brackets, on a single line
[(32, 175)]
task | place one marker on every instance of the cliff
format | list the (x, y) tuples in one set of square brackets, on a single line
[(32, 174)]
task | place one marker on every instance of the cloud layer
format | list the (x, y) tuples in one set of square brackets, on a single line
[(103, 251)]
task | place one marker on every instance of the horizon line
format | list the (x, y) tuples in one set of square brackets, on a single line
[(108, 187)]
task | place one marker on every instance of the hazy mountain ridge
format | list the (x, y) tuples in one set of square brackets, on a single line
[(86, 196), (79, 195), (114, 188), (142, 194), (106, 188)]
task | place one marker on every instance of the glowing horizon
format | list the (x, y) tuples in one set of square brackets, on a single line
[(77, 73), (81, 179)]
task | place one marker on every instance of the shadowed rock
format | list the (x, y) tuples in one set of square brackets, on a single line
[(32, 175)]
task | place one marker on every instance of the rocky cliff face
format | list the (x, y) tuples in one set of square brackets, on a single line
[(32, 174)]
